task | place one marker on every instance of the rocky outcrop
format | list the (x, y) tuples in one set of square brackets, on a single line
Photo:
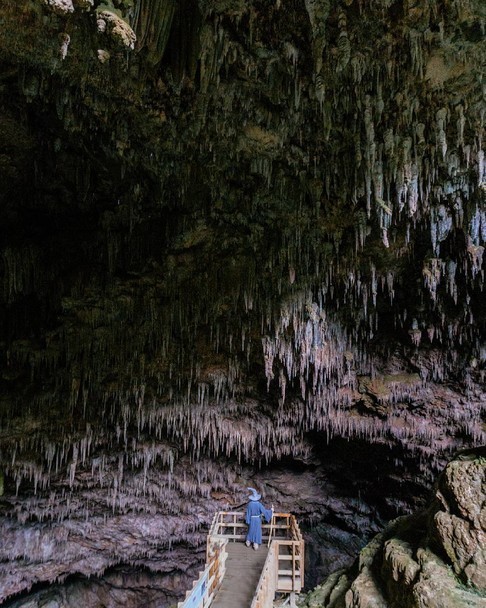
[(432, 560)]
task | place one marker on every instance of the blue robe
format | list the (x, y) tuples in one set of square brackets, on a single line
[(254, 512)]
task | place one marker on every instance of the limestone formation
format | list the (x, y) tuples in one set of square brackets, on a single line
[(116, 27), (60, 6), (431, 560), (242, 242)]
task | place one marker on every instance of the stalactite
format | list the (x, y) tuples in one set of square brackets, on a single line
[(299, 216), (318, 11)]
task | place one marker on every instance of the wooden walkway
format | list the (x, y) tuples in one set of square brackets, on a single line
[(243, 569), (237, 576)]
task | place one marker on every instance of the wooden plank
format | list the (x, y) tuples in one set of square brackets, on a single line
[(243, 569)]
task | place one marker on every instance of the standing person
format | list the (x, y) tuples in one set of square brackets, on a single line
[(254, 512)]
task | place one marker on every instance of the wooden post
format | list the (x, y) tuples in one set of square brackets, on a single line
[(293, 567), (271, 528)]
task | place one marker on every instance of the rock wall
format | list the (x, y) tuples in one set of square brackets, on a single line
[(433, 559)]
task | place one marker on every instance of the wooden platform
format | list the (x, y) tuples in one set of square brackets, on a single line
[(236, 576), (243, 569)]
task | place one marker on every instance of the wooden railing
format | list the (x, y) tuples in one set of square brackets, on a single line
[(206, 586), (284, 567), (267, 585), (283, 570)]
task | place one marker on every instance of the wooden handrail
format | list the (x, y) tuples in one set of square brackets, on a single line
[(286, 549), (236, 520), (205, 587), (284, 567), (267, 585)]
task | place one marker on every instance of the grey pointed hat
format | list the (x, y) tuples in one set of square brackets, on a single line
[(254, 494)]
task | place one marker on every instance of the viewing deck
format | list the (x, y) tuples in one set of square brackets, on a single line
[(236, 576)]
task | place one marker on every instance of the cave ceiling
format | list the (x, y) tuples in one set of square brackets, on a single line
[(231, 232)]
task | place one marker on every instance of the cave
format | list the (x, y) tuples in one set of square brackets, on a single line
[(242, 245)]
